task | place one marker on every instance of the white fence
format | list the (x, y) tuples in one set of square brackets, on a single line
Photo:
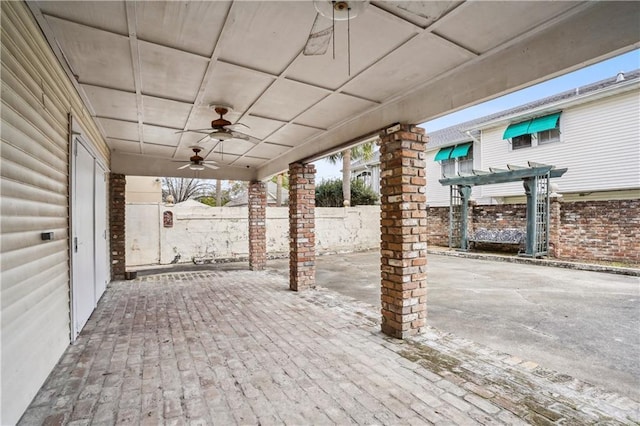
[(200, 233)]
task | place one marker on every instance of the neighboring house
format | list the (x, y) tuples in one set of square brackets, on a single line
[(272, 198), (368, 171), (592, 130)]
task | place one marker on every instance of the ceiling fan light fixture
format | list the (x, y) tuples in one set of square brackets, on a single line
[(340, 10), (196, 167), (220, 136)]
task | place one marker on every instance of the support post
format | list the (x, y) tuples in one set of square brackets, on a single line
[(257, 203), (465, 194), (302, 238), (530, 185), (403, 226), (117, 208)]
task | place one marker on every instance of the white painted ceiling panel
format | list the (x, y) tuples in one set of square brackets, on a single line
[(266, 150), (96, 57), (332, 110), (419, 13), (235, 146), (286, 99), (105, 15), (483, 25), (276, 30), (374, 34), (260, 127), (165, 112), (160, 135), (118, 129), (235, 86), (404, 69), (293, 134), (131, 147), (170, 73), (109, 103), (164, 23)]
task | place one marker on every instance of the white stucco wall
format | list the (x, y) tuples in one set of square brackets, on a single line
[(207, 233)]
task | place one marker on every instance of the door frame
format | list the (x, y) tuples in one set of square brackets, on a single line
[(77, 135)]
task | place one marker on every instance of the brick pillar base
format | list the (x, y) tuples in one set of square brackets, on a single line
[(117, 183), (257, 226), (302, 238), (403, 226)]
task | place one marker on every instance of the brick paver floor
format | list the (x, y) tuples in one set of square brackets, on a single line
[(237, 347)]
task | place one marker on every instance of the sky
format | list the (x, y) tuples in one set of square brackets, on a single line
[(609, 68)]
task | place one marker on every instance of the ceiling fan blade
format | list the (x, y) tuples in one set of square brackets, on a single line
[(195, 131), (185, 166), (319, 37), (210, 166)]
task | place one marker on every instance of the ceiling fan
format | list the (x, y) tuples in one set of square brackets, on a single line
[(221, 129), (323, 29), (196, 162)]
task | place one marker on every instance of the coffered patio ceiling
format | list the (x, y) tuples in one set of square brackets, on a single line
[(148, 70)]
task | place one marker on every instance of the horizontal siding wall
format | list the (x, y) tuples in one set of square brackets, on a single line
[(37, 99), (437, 194), (599, 145)]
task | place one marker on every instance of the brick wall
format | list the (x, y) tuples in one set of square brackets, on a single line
[(302, 239), (257, 205), (117, 184), (606, 231), (600, 230), (438, 226)]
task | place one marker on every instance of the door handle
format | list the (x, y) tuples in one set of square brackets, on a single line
[(75, 244)]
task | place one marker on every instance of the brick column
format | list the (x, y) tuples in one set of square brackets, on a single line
[(257, 225), (302, 238), (403, 226), (117, 183)]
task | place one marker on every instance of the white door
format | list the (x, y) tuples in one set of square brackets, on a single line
[(82, 251), (101, 250)]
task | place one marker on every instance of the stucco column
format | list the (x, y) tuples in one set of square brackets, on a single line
[(302, 237), (555, 248), (117, 185), (257, 203), (403, 226)]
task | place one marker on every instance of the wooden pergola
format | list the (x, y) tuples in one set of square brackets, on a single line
[(535, 179)]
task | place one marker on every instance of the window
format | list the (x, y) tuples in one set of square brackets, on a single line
[(534, 132), (549, 136), (522, 141), (365, 177), (456, 159), (448, 167)]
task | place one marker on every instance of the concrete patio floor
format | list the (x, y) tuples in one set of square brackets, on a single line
[(237, 347), (582, 323)]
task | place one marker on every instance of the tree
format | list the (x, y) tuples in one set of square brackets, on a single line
[(182, 189), (329, 194), (282, 181), (360, 152)]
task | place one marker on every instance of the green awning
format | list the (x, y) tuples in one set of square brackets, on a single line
[(532, 126), (517, 129), (541, 124), (461, 150), (443, 154)]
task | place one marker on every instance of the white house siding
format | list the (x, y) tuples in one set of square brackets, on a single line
[(600, 145), (34, 293)]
